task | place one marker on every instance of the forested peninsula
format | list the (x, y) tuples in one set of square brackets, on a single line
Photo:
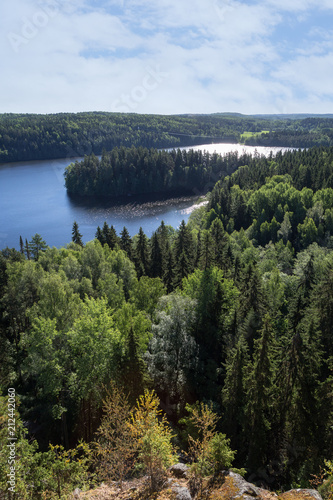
[(213, 341), (129, 171), (67, 135)]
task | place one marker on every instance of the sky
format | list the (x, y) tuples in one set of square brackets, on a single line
[(166, 56)]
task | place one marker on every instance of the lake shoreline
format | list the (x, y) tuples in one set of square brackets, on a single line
[(33, 199)]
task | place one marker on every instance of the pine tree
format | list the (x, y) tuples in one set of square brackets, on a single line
[(21, 246), (27, 249), (37, 245), (76, 235)]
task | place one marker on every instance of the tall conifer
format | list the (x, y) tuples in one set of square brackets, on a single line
[(76, 235)]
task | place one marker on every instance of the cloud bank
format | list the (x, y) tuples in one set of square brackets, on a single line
[(197, 56)]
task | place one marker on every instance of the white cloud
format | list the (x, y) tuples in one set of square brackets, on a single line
[(213, 55)]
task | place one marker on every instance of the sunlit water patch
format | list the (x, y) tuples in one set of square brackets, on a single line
[(33, 199)]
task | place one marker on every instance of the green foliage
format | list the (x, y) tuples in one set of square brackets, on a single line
[(221, 455), (33, 137), (76, 235), (61, 471), (154, 436), (36, 246), (210, 451), (235, 309), (172, 352), (326, 488), (24, 463), (133, 170), (95, 345), (115, 449), (52, 474), (146, 294)]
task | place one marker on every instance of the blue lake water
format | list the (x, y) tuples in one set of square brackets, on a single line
[(33, 199)]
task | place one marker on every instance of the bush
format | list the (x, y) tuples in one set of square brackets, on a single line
[(154, 436), (220, 453), (209, 451)]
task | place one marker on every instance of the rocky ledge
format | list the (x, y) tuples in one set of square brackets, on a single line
[(229, 486), (235, 487)]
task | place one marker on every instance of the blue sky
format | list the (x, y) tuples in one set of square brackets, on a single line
[(167, 56)]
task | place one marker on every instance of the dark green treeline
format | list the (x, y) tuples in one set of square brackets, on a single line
[(125, 171), (67, 135)]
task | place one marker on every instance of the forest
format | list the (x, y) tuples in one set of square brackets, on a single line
[(129, 171), (223, 324), (68, 135)]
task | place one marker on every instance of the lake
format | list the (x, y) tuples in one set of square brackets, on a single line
[(33, 199)]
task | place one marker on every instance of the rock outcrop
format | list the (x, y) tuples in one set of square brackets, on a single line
[(229, 486), (235, 487), (179, 470)]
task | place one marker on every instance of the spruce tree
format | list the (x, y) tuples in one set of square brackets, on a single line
[(105, 231), (141, 255), (100, 236), (156, 257), (110, 235), (261, 397), (198, 251), (164, 243), (76, 235), (220, 240), (252, 305), (133, 368), (112, 239), (303, 403), (234, 395), (184, 253), (169, 270), (206, 258), (126, 242)]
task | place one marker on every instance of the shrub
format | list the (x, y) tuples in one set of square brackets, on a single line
[(150, 428)]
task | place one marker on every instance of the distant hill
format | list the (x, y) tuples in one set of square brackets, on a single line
[(66, 135)]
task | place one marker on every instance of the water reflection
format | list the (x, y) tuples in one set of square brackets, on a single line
[(33, 199)]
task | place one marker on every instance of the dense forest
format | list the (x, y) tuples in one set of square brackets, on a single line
[(67, 135), (228, 316), (128, 171)]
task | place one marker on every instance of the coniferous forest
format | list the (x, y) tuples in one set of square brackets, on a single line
[(130, 171), (66, 135), (224, 324)]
